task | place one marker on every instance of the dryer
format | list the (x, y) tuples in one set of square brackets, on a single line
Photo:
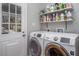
[(61, 44), (35, 43)]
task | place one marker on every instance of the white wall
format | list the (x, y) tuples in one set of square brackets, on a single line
[(33, 23)]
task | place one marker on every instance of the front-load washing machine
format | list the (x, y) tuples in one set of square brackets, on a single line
[(61, 44), (35, 43)]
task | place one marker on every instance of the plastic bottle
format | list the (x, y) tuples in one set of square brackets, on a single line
[(54, 17), (68, 5), (47, 18), (65, 16), (52, 7), (50, 16), (48, 8), (62, 5), (57, 6), (57, 17), (69, 15), (44, 18), (62, 16)]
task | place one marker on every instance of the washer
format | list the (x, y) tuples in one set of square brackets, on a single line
[(36, 43), (61, 44)]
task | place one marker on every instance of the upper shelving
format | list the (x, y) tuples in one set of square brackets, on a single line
[(60, 10), (56, 21), (57, 12)]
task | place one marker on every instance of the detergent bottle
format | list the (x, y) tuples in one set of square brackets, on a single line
[(69, 15), (65, 16), (57, 17), (62, 16)]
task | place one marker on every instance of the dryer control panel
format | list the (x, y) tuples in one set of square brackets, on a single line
[(65, 40)]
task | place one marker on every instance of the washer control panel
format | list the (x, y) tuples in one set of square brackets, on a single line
[(39, 35)]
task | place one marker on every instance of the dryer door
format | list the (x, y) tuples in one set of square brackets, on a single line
[(34, 47), (54, 49)]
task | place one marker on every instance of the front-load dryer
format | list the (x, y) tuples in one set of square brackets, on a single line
[(35, 44), (61, 44)]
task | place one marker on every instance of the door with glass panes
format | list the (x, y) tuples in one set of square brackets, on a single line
[(11, 18)]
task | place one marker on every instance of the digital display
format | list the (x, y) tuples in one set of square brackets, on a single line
[(65, 40), (38, 35)]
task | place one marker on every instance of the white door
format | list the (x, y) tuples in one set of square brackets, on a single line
[(14, 48), (9, 24)]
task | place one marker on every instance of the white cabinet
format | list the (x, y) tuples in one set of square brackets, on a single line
[(1, 49), (13, 47)]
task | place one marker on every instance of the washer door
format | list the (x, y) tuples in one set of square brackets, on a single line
[(54, 49), (34, 47)]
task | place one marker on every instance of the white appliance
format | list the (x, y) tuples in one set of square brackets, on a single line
[(61, 44), (35, 43)]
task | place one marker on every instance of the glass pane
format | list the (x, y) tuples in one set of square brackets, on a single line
[(12, 27), (5, 7), (18, 19), (18, 27), (5, 17), (12, 18), (18, 9), (12, 8), (5, 29)]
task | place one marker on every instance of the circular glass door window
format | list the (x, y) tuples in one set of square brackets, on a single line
[(55, 50), (34, 47)]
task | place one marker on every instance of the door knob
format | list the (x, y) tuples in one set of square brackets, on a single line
[(24, 35)]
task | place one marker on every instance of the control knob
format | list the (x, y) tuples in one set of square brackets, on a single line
[(55, 38)]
